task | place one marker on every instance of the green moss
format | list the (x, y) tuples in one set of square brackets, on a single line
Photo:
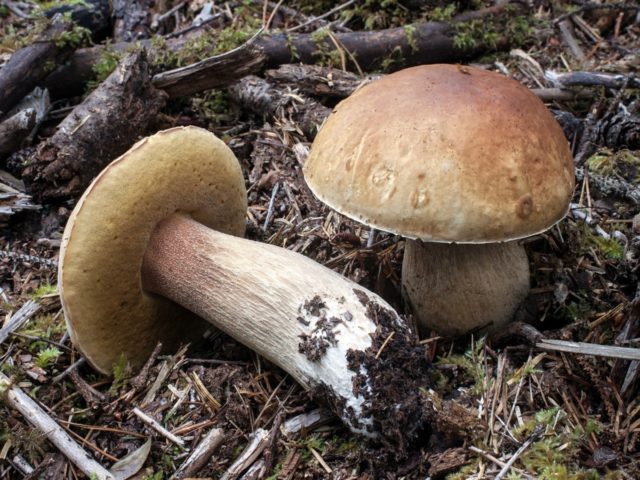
[(473, 364), (442, 14), (325, 52), (609, 248), (121, 372), (106, 64), (410, 33), (76, 37), (469, 35), (59, 3), (623, 163), (44, 290), (47, 357)]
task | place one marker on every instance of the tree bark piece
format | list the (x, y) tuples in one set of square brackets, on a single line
[(263, 98), (34, 414), (15, 129), (98, 130), (30, 65)]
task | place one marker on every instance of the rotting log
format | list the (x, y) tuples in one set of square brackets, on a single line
[(98, 130), (430, 42), (28, 66)]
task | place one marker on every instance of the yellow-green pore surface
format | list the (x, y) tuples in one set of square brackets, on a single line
[(446, 153), (184, 169)]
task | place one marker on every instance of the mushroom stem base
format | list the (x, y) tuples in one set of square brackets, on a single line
[(456, 289)]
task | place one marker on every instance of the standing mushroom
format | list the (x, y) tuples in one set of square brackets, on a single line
[(463, 160), (151, 240)]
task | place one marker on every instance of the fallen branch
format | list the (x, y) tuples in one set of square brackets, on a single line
[(19, 318), (258, 442), (15, 398), (590, 349), (590, 79), (201, 454), (28, 66), (212, 72), (98, 130), (431, 42), (158, 428)]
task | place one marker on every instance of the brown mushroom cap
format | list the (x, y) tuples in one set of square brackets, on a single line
[(444, 153), (185, 169)]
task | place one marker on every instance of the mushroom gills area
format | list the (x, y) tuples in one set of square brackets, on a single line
[(302, 316), (455, 289)]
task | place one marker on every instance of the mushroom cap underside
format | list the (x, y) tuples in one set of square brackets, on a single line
[(444, 153), (181, 170)]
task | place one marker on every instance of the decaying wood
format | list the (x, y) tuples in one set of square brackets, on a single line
[(611, 186), (18, 319), (609, 80), (318, 80), (90, 14), (216, 71), (201, 454), (307, 421), (158, 428), (260, 96), (98, 130), (12, 203), (330, 82), (15, 398), (15, 129), (130, 20), (257, 444), (28, 66), (430, 42), (582, 348)]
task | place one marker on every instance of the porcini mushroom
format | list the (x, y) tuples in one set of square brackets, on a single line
[(152, 240), (462, 162)]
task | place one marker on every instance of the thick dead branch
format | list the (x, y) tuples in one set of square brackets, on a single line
[(430, 42), (90, 14), (30, 65), (263, 98), (98, 130), (216, 71), (15, 129)]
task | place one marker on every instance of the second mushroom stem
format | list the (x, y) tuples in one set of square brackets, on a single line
[(298, 314)]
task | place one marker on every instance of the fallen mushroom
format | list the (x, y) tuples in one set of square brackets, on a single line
[(465, 161), (152, 240)]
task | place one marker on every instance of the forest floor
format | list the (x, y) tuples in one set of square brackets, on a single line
[(509, 409)]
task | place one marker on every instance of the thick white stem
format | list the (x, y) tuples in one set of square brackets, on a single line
[(455, 289), (298, 314)]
